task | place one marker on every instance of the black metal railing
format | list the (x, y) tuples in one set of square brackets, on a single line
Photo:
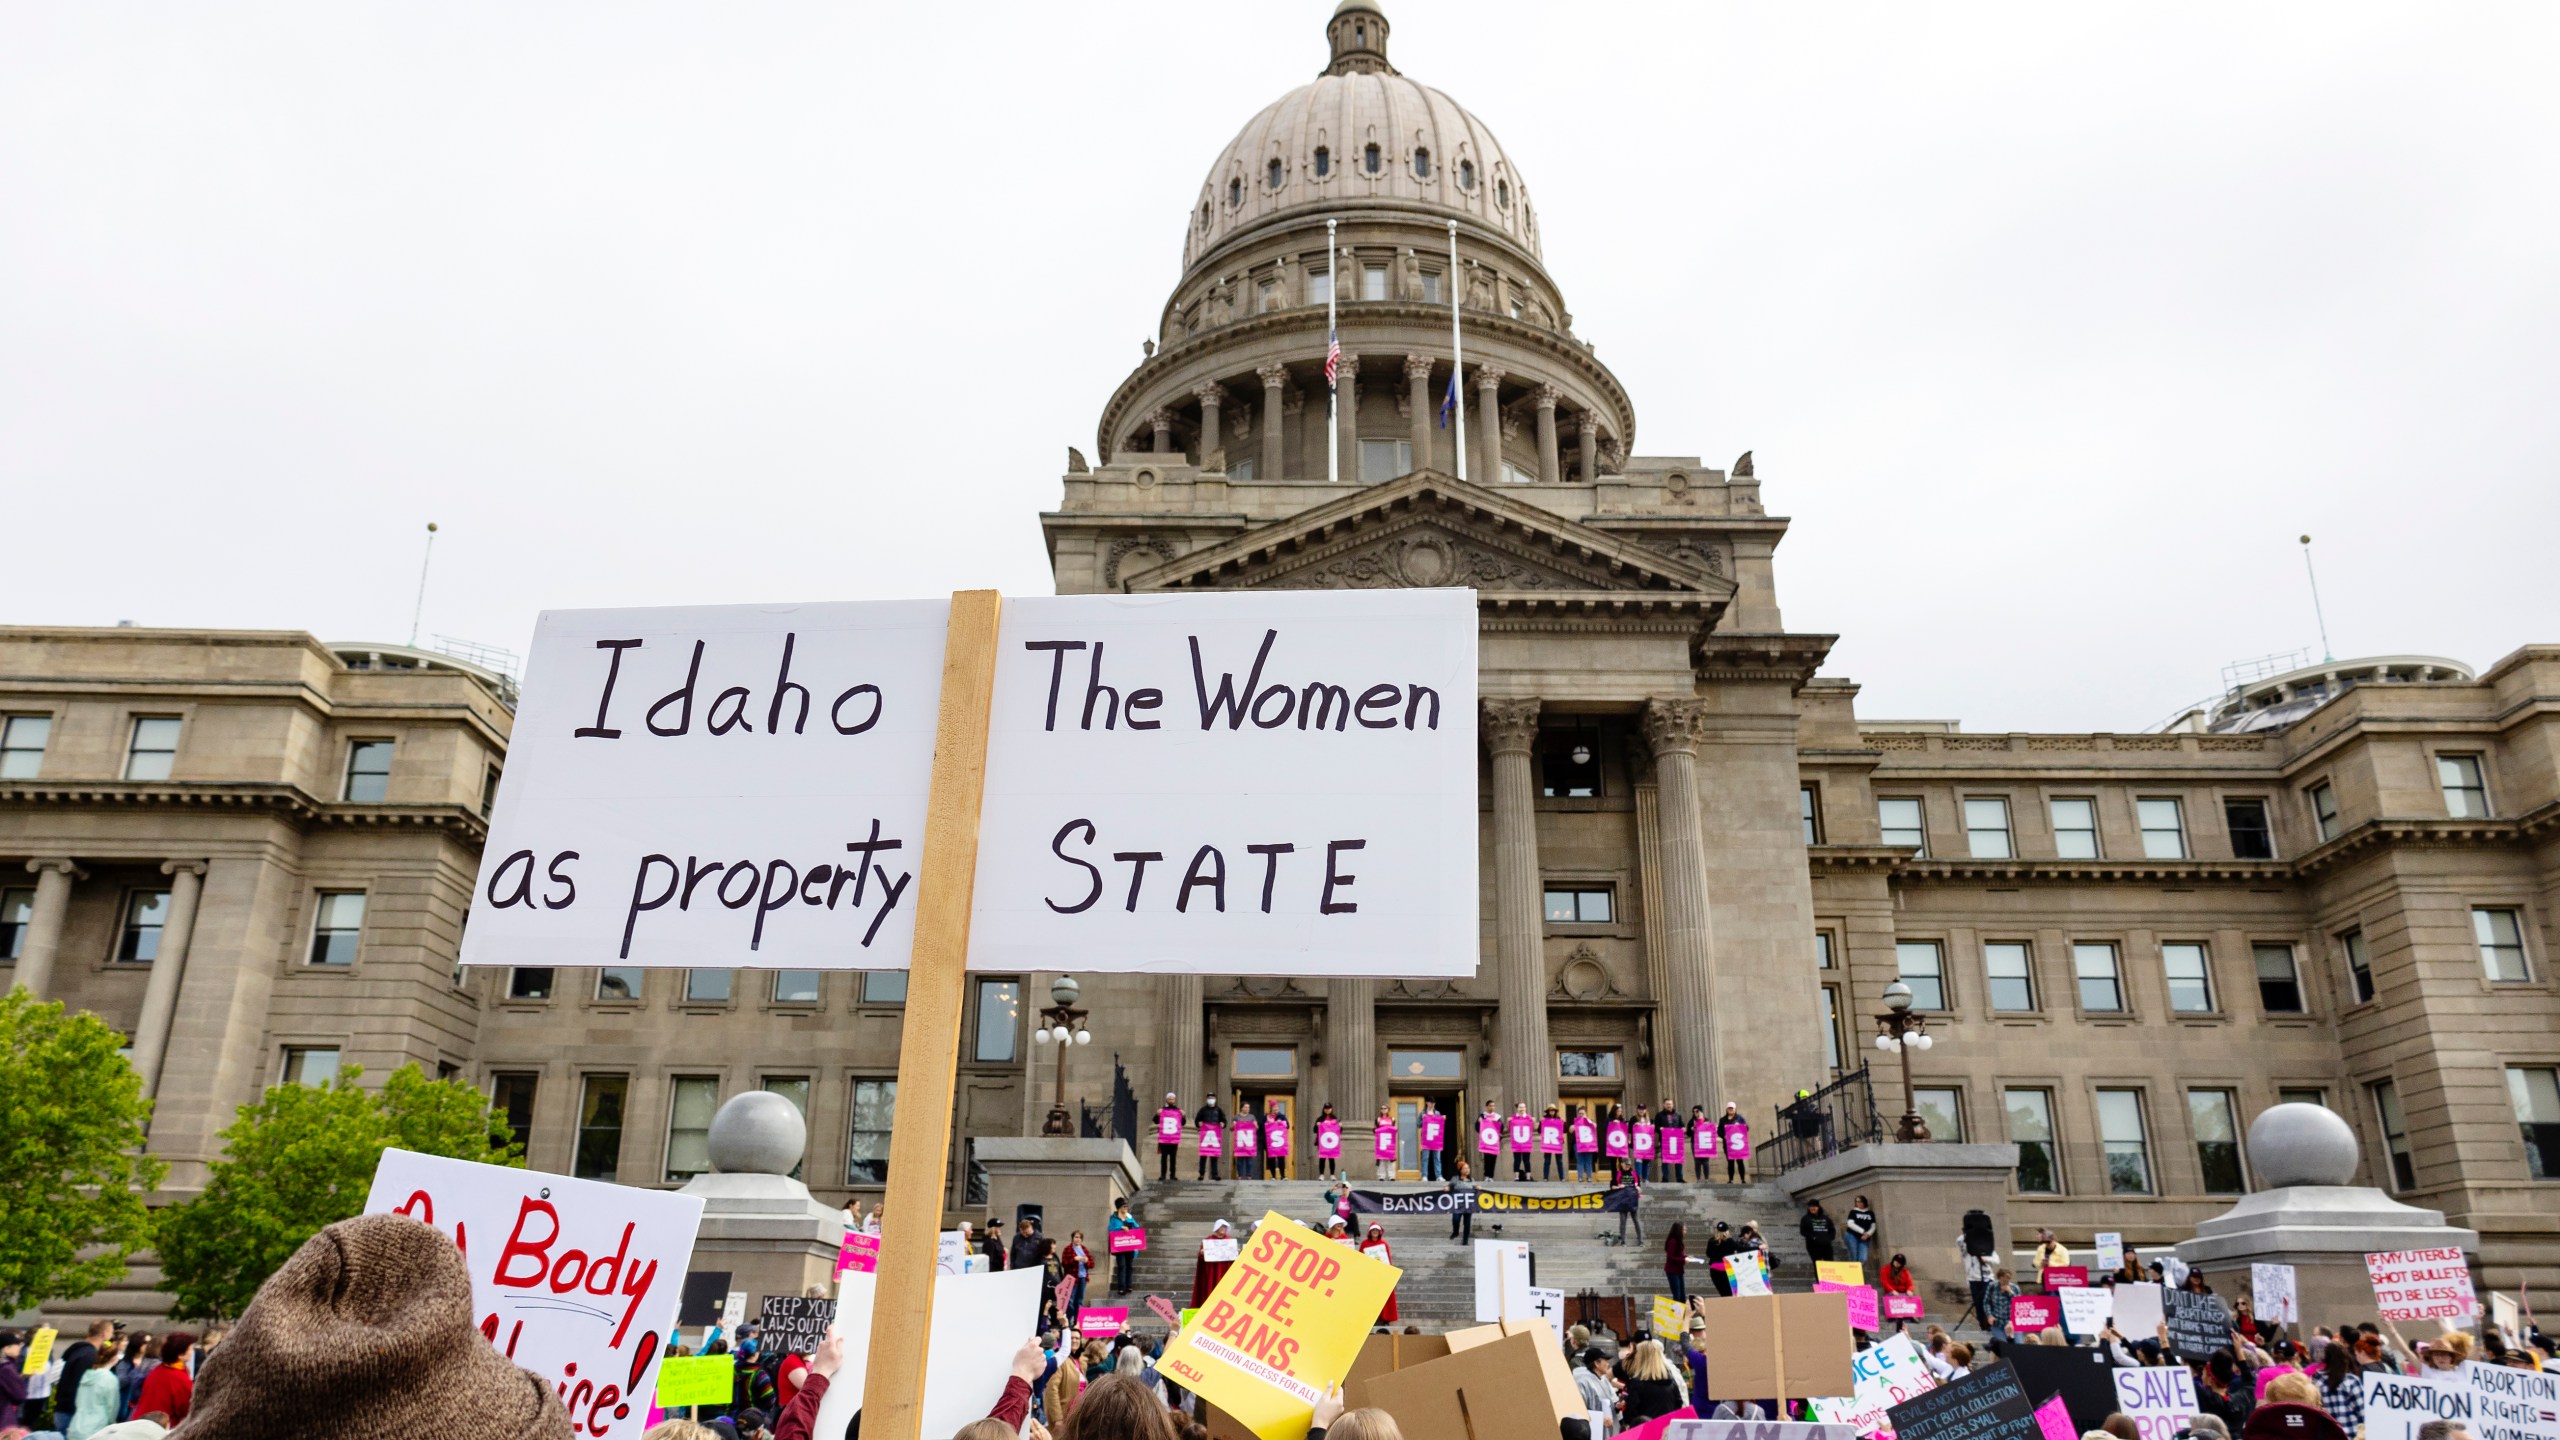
[(1826, 1122)]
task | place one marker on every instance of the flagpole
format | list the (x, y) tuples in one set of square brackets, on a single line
[(1332, 372), (1457, 358)]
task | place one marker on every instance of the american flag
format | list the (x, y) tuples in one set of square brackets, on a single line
[(1332, 355)]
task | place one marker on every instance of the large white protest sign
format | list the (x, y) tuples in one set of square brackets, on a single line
[(2085, 1308), (1886, 1375), (2492, 1402), (2137, 1309), (978, 1322), (1255, 783), (2421, 1284), (2271, 1293), (575, 1280), (2110, 1250), (1503, 1291), (2160, 1400)]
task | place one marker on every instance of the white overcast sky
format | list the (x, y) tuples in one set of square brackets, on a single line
[(2051, 325)]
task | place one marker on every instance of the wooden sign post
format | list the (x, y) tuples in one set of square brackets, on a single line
[(929, 1040)]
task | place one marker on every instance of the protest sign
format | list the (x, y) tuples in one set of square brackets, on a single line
[(1384, 1355), (1789, 1346), (2085, 1309), (699, 1302), (859, 1252), (1985, 1404), (1281, 1327), (794, 1324), (2063, 1277), (1329, 1139), (2053, 1421), (1839, 1272), (1224, 1248), (2421, 1284), (39, 1351), (1754, 1430), (2173, 1270), (697, 1380), (2078, 1375), (2396, 1405), (733, 1309), (2137, 1310), (1095, 1321), (1164, 1310), (2159, 1400), (2271, 1293), (1659, 1425), (1495, 1391), (1883, 1376), (976, 1324), (1749, 1271), (1667, 1317), (2110, 1250), (2492, 1402), (1502, 1280), (951, 1253), (1548, 1305), (1128, 1242), (1563, 1399), (1902, 1307), (1862, 1303), (1737, 1142), (1064, 1297), (575, 1280), (2031, 1314), (2198, 1324), (2504, 1314)]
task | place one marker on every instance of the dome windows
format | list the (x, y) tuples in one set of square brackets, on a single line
[(1467, 176), (1421, 162), (1272, 174), (1502, 193), (1204, 217), (1324, 162), (1235, 192), (1374, 160)]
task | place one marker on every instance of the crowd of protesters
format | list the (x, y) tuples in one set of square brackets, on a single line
[(109, 1383)]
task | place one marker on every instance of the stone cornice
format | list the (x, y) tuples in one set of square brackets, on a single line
[(1855, 859), (1761, 656), (2424, 832), (286, 802), (2373, 837), (2149, 872)]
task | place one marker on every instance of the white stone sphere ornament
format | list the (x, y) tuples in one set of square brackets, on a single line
[(758, 1133), (2302, 1144)]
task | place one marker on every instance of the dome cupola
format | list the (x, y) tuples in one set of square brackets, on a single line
[(1359, 35)]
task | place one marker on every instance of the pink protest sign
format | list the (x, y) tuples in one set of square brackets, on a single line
[(1489, 1135), (1329, 1138), (1168, 1127), (1385, 1146), (1094, 1321), (1066, 1294), (2029, 1314), (1276, 1139), (1523, 1129), (2066, 1277), (1862, 1307), (1660, 1425), (861, 1254), (1643, 1139), (1164, 1310), (1586, 1137), (1675, 1145), (1435, 1131), (1551, 1137), (2053, 1421), (1902, 1307), (1737, 1143), (1703, 1135), (1213, 1140), (1128, 1242), (1248, 1137), (1617, 1140), (2421, 1284)]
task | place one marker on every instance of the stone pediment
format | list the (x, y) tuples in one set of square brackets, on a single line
[(1427, 529)]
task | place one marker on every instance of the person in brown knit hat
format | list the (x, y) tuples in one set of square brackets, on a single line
[(366, 1334)]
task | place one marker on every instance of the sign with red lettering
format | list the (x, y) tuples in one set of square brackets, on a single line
[(1281, 1328), (575, 1280), (2421, 1284), (860, 1253)]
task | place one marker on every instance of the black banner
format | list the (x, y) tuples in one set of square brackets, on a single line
[(1490, 1202), (1988, 1404), (2198, 1324), (794, 1325)]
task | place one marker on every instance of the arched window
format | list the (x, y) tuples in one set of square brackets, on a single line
[(1324, 162), (1235, 192), (1421, 162), (1467, 175), (1502, 193), (1373, 160), (1271, 174), (1360, 36), (1204, 217)]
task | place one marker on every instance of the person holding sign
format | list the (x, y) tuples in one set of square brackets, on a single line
[(1551, 1145), (1122, 1261), (1168, 1136), (1524, 1134), (1217, 1253), (1675, 1149), (1432, 1137), (1213, 1137), (1586, 1144), (1375, 1246), (1489, 1141), (1383, 1143), (1462, 1205), (1328, 1142), (1275, 1146), (1640, 1144), (1615, 1144), (1248, 1145), (1734, 1133)]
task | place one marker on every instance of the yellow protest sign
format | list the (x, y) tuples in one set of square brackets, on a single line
[(1284, 1326), (1666, 1317), (1844, 1272), (39, 1351), (696, 1380)]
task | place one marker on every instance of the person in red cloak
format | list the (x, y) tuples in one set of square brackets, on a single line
[(1205, 1272), (1375, 1246)]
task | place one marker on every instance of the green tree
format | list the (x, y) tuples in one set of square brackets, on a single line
[(301, 1158), (72, 1172)]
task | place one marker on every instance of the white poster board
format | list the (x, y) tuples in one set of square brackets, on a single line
[(1277, 782), (1749, 1271), (978, 1322), (2493, 1402), (2421, 1284), (2173, 1270), (2110, 1250), (1502, 1281), (2085, 1308), (1885, 1376), (1224, 1251), (2271, 1293), (2159, 1399), (951, 1253), (1548, 1305), (578, 1279), (2138, 1312)]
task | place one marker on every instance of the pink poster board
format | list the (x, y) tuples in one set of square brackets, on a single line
[(1586, 1137), (2066, 1277), (1248, 1137), (1643, 1139), (1737, 1143), (1524, 1128), (1276, 1139), (2029, 1314), (1551, 1137), (1489, 1135), (1902, 1307), (1128, 1242), (1385, 1146), (861, 1254), (1862, 1303), (1168, 1127), (1213, 1140), (1164, 1310), (2053, 1421), (1617, 1140), (1703, 1135), (1675, 1145), (1329, 1139), (1094, 1321), (1435, 1131)]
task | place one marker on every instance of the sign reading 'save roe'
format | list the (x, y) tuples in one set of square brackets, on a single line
[(1270, 783), (575, 1280)]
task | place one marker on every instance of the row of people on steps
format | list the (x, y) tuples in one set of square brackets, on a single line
[(1568, 1142)]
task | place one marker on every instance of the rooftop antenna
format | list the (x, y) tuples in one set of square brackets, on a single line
[(2325, 655), (428, 558)]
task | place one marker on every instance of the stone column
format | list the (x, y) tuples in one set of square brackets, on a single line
[(1675, 728), (1162, 419), (44, 927), (1657, 977), (1589, 428), (160, 993), (1274, 378), (1488, 455), (1178, 1041), (1550, 466), (1519, 906), (1212, 398), (1346, 414), (1417, 384), (1351, 1053)]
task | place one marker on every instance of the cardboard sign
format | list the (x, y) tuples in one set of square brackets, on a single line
[(699, 1302), (1127, 1242), (2065, 1277), (2110, 1250), (1164, 1310), (2198, 1324), (1563, 1399), (859, 1252), (744, 785), (2053, 1420), (2504, 1313), (978, 1322), (575, 1280), (1485, 1392), (2034, 1314), (39, 1352), (1862, 1301), (951, 1253), (1985, 1404), (1384, 1355), (1667, 1316), (1789, 1346), (2421, 1284), (1902, 1307), (2085, 1309), (2137, 1310), (1885, 1375), (1839, 1272), (2271, 1293), (697, 1380), (733, 1309), (1329, 1139), (1226, 1249), (2160, 1401), (1095, 1321), (1502, 1280), (1281, 1328), (1749, 1271)]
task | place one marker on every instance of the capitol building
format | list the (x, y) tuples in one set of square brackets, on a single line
[(1702, 866)]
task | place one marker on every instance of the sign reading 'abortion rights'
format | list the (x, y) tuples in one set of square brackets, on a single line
[(1280, 783)]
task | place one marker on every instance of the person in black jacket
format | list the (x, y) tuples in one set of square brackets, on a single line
[(1720, 1246), (1462, 1209), (1818, 1231), (1027, 1243), (1207, 1115), (1652, 1390)]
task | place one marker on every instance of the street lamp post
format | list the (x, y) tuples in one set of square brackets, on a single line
[(1062, 1024), (1898, 1029)]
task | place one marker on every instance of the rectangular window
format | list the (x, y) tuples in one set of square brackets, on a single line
[(2190, 978), (795, 987), (368, 772), (310, 1064), (999, 1020), (2120, 1135), (1924, 970), (2164, 831), (153, 749), (689, 1113), (875, 1114), (1319, 285), (336, 927), (1582, 905), (599, 1153), (1587, 1064), (2466, 789), (22, 742), (1901, 823), (511, 1095), (1373, 282), (884, 987), (2101, 986), (708, 987), (1240, 469), (489, 791), (2279, 982), (2288, 1095), (1431, 287), (2215, 1119), (1822, 950), (2031, 1130), (2536, 1092), (2501, 937), (1263, 1062), (2252, 837), (2324, 810), (1385, 459), (2359, 969), (2011, 977), (145, 911), (2395, 1135), (1942, 1110), (2075, 829), (17, 912), (1569, 764), (619, 983), (1268, 298), (1986, 829), (529, 982), (1831, 1027), (1805, 802), (1425, 1064)]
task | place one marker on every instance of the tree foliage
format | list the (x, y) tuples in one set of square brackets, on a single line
[(301, 1158), (72, 1173)]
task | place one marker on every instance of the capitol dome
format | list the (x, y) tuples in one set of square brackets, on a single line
[(1360, 134)]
